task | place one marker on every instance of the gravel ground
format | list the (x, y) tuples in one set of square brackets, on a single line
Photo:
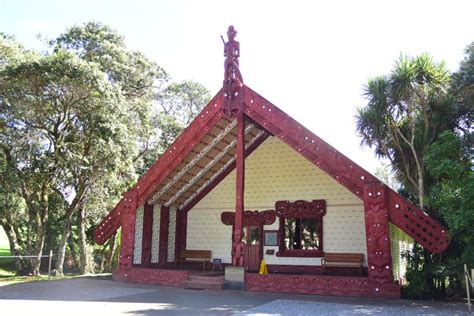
[(92, 296)]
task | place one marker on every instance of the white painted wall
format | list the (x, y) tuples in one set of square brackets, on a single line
[(171, 234), (155, 236), (137, 249), (276, 172)]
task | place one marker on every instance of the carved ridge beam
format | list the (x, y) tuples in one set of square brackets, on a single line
[(260, 134), (194, 161), (206, 168)]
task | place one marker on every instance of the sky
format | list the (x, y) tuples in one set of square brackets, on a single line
[(309, 58)]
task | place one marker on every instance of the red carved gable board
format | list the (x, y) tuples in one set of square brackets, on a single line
[(262, 118)]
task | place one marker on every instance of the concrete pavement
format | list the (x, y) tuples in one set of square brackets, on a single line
[(92, 296)]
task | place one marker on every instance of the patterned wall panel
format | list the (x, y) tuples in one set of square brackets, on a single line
[(137, 248), (155, 238), (276, 172), (206, 232), (171, 234)]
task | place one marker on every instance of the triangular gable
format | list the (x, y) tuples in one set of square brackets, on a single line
[(417, 224)]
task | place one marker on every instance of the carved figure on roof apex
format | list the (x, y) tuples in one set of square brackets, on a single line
[(233, 81), (232, 54)]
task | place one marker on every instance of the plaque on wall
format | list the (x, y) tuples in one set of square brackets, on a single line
[(271, 238)]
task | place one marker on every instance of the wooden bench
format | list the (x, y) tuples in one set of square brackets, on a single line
[(351, 260), (195, 255)]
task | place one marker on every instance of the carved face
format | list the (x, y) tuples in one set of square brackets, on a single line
[(231, 32)]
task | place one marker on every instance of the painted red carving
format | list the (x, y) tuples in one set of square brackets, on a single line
[(233, 81), (128, 229), (379, 258), (147, 234), (251, 218), (307, 284), (151, 276), (300, 209), (181, 232), (164, 227)]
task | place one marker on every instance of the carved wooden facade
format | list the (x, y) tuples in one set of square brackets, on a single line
[(235, 122)]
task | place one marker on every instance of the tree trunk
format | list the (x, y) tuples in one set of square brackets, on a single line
[(72, 248), (84, 267), (15, 248), (67, 229), (62, 245), (39, 244)]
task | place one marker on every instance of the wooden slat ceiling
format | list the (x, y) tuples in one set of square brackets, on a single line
[(209, 158)]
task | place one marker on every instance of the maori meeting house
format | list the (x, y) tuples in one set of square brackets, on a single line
[(245, 182)]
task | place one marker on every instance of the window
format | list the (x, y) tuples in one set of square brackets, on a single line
[(301, 228)]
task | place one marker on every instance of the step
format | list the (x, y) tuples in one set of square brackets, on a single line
[(207, 279), (202, 285)]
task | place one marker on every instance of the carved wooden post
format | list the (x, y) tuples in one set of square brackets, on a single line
[(379, 258), (180, 233), (237, 254), (128, 229), (147, 234), (164, 227)]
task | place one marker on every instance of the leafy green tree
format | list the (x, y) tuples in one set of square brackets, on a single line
[(79, 125), (406, 111), (184, 100)]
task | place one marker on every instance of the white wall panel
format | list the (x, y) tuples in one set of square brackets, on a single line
[(171, 234), (137, 248), (155, 237)]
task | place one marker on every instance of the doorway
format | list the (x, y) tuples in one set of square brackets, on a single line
[(253, 247)]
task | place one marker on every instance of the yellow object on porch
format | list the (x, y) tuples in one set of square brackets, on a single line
[(263, 268)]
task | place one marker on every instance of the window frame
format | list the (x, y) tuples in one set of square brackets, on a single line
[(300, 209)]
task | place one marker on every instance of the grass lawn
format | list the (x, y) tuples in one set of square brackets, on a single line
[(7, 267)]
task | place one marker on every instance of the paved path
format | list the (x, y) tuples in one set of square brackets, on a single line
[(91, 296)]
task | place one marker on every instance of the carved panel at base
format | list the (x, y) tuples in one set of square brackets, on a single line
[(307, 284), (151, 276)]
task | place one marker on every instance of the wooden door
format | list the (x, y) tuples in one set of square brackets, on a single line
[(253, 247)]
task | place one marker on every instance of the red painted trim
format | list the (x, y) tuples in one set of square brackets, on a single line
[(151, 276), (164, 228), (128, 229), (429, 233), (109, 225), (147, 234), (379, 258), (237, 255), (180, 233)]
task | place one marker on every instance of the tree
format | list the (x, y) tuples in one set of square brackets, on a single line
[(183, 101), (405, 113)]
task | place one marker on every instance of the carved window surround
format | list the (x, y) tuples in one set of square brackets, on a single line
[(300, 209)]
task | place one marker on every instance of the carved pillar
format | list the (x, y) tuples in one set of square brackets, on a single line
[(147, 234), (379, 257), (237, 245), (181, 228), (164, 226), (128, 229)]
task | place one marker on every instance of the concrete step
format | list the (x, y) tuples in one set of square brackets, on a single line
[(202, 285), (206, 279)]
